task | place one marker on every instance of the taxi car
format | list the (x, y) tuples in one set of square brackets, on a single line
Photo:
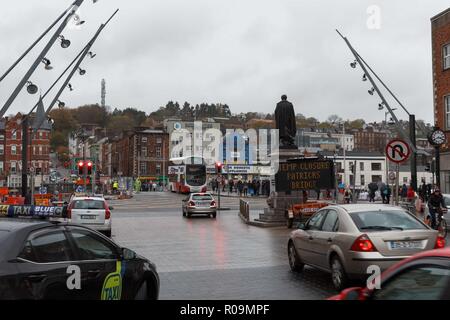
[(42, 259)]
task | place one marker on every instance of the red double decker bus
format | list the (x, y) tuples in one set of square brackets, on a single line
[(187, 175)]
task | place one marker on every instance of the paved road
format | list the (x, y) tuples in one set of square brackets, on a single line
[(203, 258)]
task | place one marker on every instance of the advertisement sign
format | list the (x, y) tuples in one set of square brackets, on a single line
[(305, 174)]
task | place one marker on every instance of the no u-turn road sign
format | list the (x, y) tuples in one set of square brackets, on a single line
[(398, 151)]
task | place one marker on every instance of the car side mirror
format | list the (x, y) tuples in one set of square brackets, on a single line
[(128, 254), (301, 226), (351, 294)]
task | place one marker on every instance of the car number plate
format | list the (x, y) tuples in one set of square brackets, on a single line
[(88, 217), (202, 204), (406, 245)]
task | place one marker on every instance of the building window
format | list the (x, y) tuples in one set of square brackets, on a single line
[(446, 56), (363, 180), (2, 149), (144, 151), (143, 169), (158, 169), (405, 180), (41, 135), (2, 137), (14, 135), (447, 112), (376, 166), (159, 140), (361, 166), (13, 150), (40, 150), (13, 168), (144, 139), (158, 152)]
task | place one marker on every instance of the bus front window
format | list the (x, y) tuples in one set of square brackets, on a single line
[(195, 175)]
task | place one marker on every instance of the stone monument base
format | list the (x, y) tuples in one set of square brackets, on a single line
[(282, 201)]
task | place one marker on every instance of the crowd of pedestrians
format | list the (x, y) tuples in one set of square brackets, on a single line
[(240, 187)]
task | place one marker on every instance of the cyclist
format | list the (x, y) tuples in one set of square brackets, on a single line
[(435, 203)]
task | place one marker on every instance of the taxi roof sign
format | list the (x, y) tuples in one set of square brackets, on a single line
[(12, 211)]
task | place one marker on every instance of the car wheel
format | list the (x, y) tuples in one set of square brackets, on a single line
[(108, 233), (184, 213), (142, 293), (294, 261), (189, 215), (214, 215), (338, 275), (290, 223)]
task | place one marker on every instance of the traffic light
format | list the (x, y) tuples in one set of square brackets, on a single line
[(219, 166), (89, 168), (80, 168)]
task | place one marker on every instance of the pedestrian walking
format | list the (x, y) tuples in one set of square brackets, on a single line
[(373, 187)]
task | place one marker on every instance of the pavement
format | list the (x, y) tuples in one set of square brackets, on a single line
[(208, 259)]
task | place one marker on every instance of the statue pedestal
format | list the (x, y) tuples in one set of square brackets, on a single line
[(276, 214)]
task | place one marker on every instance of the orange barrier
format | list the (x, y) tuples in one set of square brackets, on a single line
[(307, 209)]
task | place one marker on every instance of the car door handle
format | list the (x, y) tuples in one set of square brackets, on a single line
[(329, 240), (37, 277)]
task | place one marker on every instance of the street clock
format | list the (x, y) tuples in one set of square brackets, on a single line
[(436, 137)]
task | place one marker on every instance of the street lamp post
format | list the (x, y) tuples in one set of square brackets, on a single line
[(41, 56)]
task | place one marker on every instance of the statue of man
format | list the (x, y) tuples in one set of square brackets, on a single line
[(285, 122)]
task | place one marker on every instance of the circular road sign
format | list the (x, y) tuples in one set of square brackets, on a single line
[(398, 151), (392, 176)]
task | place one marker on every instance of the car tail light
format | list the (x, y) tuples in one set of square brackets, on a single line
[(363, 244), (191, 204), (69, 211), (440, 242), (213, 203), (107, 211)]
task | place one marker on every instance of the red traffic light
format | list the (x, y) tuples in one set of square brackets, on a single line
[(89, 164), (81, 163), (219, 166)]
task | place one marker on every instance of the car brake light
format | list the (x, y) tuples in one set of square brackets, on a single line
[(191, 204), (440, 242), (213, 203), (363, 244), (69, 211), (107, 211)]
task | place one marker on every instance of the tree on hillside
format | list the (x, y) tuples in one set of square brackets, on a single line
[(91, 114), (118, 124)]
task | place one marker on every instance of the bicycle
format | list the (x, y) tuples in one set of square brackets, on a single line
[(441, 224)]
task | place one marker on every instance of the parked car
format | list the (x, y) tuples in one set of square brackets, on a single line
[(345, 240), (425, 276), (199, 203), (93, 212), (39, 259)]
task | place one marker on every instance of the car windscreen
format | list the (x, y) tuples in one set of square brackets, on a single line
[(88, 204), (201, 197), (195, 175), (385, 220)]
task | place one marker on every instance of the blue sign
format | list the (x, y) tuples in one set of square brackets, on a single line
[(43, 190), (80, 189)]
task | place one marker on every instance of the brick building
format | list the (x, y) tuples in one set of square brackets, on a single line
[(11, 151), (370, 140), (440, 29), (140, 153)]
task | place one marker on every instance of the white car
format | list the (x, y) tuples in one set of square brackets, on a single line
[(93, 212)]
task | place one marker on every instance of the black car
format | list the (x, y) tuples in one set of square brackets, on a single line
[(49, 260)]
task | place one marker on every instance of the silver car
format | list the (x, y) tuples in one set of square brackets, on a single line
[(345, 240), (199, 203)]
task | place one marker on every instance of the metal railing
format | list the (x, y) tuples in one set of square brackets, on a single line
[(244, 209)]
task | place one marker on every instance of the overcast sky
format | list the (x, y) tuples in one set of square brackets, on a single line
[(245, 53)]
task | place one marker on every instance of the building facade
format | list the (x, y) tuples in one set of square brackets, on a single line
[(38, 152), (370, 140), (440, 26)]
